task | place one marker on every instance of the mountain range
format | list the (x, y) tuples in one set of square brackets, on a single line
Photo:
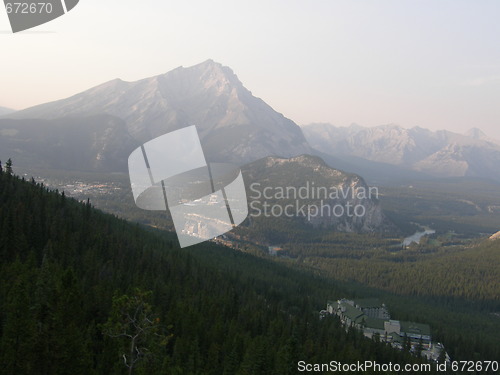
[(72, 275), (234, 126), (96, 130), (433, 153), (112, 119)]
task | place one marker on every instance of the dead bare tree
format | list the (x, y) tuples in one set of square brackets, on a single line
[(133, 321)]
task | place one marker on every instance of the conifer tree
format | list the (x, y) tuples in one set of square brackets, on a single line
[(8, 167)]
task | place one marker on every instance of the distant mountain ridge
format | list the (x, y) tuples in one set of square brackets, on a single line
[(5, 111), (233, 124), (440, 153)]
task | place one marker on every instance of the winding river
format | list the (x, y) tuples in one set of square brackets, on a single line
[(416, 237)]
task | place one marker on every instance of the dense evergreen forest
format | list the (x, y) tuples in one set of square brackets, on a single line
[(468, 270), (83, 292)]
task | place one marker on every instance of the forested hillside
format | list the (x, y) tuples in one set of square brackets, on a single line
[(82, 292), (459, 271)]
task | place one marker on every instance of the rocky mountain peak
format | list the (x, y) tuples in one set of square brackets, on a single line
[(476, 133), (208, 76), (234, 126)]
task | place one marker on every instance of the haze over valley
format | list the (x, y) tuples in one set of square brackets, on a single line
[(249, 188), (335, 203)]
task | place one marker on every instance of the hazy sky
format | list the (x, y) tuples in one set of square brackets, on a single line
[(435, 64)]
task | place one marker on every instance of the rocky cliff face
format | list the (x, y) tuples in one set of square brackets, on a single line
[(304, 188), (495, 237)]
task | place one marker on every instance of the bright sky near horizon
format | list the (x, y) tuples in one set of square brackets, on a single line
[(434, 64)]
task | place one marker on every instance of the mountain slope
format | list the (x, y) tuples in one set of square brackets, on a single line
[(66, 266), (441, 153), (232, 123), (290, 197), (95, 143), (5, 111)]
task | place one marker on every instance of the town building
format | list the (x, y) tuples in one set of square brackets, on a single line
[(275, 251), (372, 318)]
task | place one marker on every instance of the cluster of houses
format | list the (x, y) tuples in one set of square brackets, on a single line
[(373, 318)]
